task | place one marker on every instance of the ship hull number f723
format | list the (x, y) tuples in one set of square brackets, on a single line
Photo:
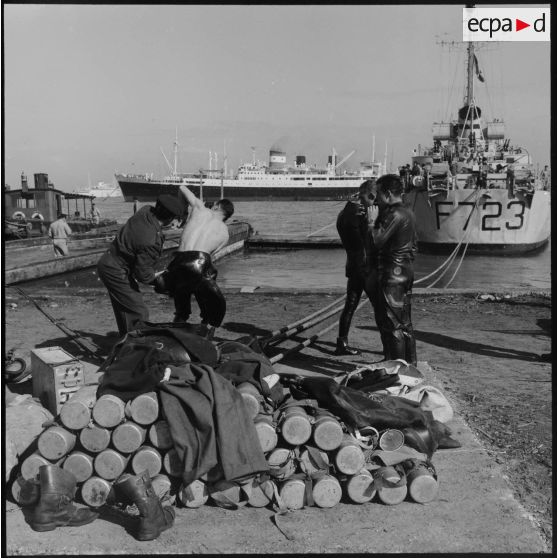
[(491, 212)]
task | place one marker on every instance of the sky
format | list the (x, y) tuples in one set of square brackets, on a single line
[(90, 90)]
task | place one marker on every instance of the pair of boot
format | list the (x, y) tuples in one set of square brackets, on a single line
[(56, 508), (342, 348)]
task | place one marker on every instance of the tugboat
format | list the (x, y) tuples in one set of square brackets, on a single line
[(28, 212), (473, 187)]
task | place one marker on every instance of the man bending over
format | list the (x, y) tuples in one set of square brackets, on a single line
[(191, 272)]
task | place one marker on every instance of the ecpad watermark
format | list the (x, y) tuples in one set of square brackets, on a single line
[(506, 24)]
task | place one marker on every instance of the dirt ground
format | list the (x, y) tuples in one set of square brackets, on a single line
[(485, 354)]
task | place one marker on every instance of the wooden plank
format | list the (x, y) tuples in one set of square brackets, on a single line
[(289, 243)]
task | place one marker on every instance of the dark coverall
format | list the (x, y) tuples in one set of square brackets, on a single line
[(390, 284), (352, 230), (131, 258)]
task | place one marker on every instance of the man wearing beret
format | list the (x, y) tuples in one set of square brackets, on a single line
[(132, 257)]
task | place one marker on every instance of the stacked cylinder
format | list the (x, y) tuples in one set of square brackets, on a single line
[(309, 449), (100, 439)]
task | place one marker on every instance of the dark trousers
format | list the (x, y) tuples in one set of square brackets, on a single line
[(192, 273), (355, 288), (391, 291), (127, 302)]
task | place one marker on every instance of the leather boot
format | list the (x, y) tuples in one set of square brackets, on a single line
[(55, 508), (154, 518), (343, 348)]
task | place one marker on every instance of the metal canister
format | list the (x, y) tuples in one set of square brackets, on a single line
[(262, 493), (30, 466), (295, 426), (80, 465), (421, 484), (26, 492), (109, 464), (396, 491), (292, 492), (267, 434), (147, 458), (252, 398), (310, 461), (143, 409), (359, 488), (349, 458), (162, 486), (327, 432), (56, 442), (193, 495), (128, 436), (172, 464), (108, 411), (281, 463), (391, 440), (95, 491), (160, 436), (326, 491), (75, 414), (94, 438)]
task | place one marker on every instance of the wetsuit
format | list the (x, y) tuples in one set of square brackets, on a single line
[(131, 258), (394, 239), (192, 273), (352, 230)]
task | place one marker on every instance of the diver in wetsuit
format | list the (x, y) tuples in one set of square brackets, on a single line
[(191, 272), (352, 226), (393, 236)]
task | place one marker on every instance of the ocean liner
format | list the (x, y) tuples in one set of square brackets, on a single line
[(276, 180)]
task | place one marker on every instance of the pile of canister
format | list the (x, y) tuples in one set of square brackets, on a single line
[(99, 440), (312, 458)]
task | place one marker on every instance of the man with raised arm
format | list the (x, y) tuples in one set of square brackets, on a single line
[(191, 272)]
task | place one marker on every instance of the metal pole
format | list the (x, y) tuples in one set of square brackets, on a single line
[(222, 186)]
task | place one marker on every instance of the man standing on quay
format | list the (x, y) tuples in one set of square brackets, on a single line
[(351, 226), (393, 236), (60, 231), (132, 257)]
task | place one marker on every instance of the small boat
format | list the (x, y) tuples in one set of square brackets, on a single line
[(473, 187), (254, 181)]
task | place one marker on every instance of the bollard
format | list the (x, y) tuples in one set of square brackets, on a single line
[(56, 442), (109, 464), (160, 436), (326, 491), (327, 433), (147, 458), (349, 458), (128, 437), (94, 438), (193, 495), (75, 414), (360, 488), (143, 409), (108, 411), (296, 428), (267, 434), (95, 491), (80, 465)]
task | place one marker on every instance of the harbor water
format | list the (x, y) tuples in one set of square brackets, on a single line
[(324, 268)]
